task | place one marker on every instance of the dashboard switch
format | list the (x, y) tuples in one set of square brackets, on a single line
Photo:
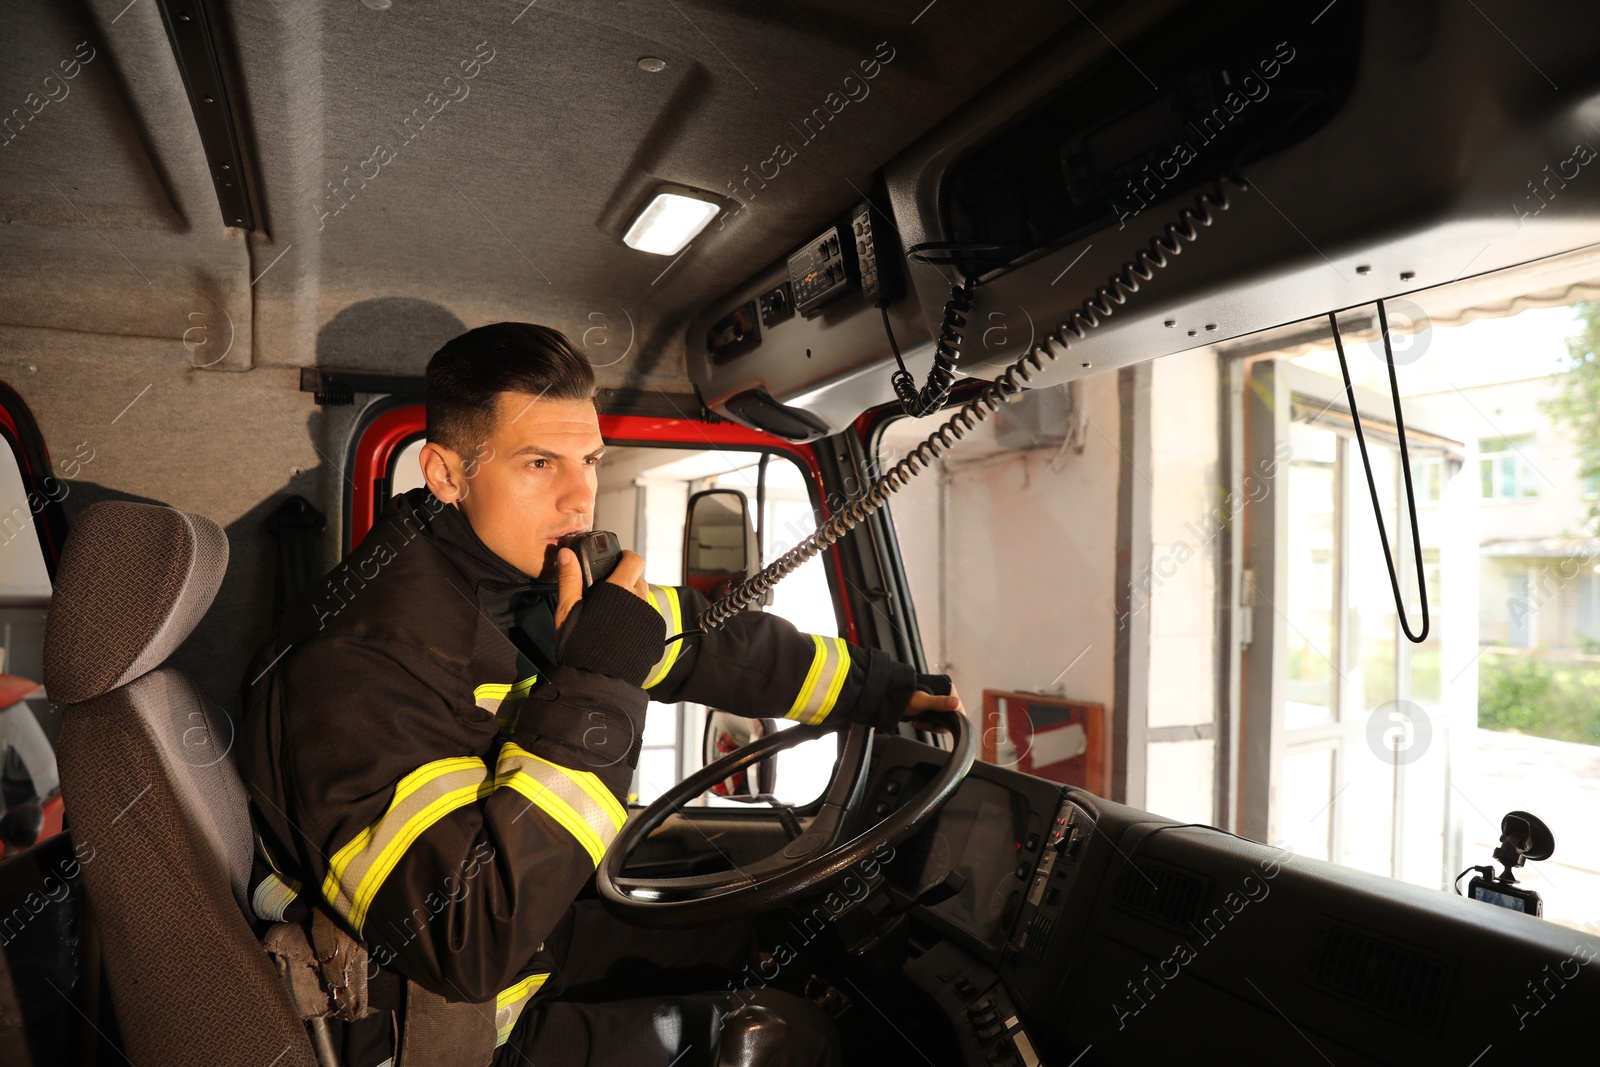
[(1037, 892), (777, 305), (733, 334)]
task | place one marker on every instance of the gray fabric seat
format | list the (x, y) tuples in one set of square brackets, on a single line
[(158, 813)]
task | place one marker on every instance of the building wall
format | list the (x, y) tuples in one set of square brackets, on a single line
[(1560, 507), (1029, 546)]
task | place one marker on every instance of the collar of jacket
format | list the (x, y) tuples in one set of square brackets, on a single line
[(497, 582)]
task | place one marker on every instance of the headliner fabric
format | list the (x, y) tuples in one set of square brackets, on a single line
[(134, 581), (518, 141)]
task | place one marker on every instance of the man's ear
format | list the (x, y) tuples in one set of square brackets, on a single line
[(443, 472)]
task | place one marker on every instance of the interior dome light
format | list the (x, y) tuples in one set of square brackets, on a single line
[(668, 223)]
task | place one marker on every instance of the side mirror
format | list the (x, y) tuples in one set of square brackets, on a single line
[(727, 732), (719, 542)]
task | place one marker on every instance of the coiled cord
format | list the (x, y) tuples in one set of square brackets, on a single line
[(946, 354), (1005, 389)]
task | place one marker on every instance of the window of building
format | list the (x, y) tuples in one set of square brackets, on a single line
[(1506, 467), (1427, 479)]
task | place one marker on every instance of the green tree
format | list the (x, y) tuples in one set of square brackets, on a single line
[(1577, 401)]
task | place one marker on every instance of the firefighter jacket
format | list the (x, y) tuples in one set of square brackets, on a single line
[(426, 765)]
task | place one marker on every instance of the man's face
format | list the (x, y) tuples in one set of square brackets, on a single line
[(532, 483)]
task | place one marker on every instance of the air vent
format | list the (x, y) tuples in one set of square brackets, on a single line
[(1038, 935), (1163, 893), (1390, 978)]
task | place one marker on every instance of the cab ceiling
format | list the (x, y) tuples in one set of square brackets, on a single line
[(506, 202)]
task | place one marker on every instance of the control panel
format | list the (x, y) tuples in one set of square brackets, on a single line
[(805, 324), (733, 334), (877, 280), (843, 258), (986, 1022), (819, 273), (1035, 947), (1014, 848)]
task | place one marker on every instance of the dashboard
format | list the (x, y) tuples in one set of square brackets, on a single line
[(1048, 924), (994, 871)]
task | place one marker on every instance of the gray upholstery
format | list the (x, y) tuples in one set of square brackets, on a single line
[(158, 813), (133, 582)]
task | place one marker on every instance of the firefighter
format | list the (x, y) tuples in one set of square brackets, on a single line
[(440, 738)]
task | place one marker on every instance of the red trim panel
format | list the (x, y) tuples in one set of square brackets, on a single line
[(389, 432), (379, 442)]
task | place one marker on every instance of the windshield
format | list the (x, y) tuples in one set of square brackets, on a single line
[(1166, 584)]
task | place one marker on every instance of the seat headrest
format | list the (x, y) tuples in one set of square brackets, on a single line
[(133, 582)]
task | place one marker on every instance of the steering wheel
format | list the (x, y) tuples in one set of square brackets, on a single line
[(803, 867)]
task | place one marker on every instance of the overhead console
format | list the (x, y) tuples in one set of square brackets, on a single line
[(1236, 86), (762, 353), (1365, 133)]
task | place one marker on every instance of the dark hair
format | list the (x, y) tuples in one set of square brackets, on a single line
[(466, 376)]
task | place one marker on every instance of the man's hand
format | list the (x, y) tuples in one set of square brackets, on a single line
[(921, 702), (569, 580)]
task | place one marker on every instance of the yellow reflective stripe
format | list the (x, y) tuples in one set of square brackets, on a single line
[(577, 800), (491, 695), (421, 798), (664, 598), (802, 699), (509, 1004), (830, 665), (276, 891), (591, 785), (841, 672)]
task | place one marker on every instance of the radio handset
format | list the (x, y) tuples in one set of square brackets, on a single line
[(598, 552)]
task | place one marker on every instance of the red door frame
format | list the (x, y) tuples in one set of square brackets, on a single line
[(391, 431)]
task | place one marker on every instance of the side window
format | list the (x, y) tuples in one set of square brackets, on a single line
[(22, 569), (405, 470), (643, 494), (642, 498), (30, 794)]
